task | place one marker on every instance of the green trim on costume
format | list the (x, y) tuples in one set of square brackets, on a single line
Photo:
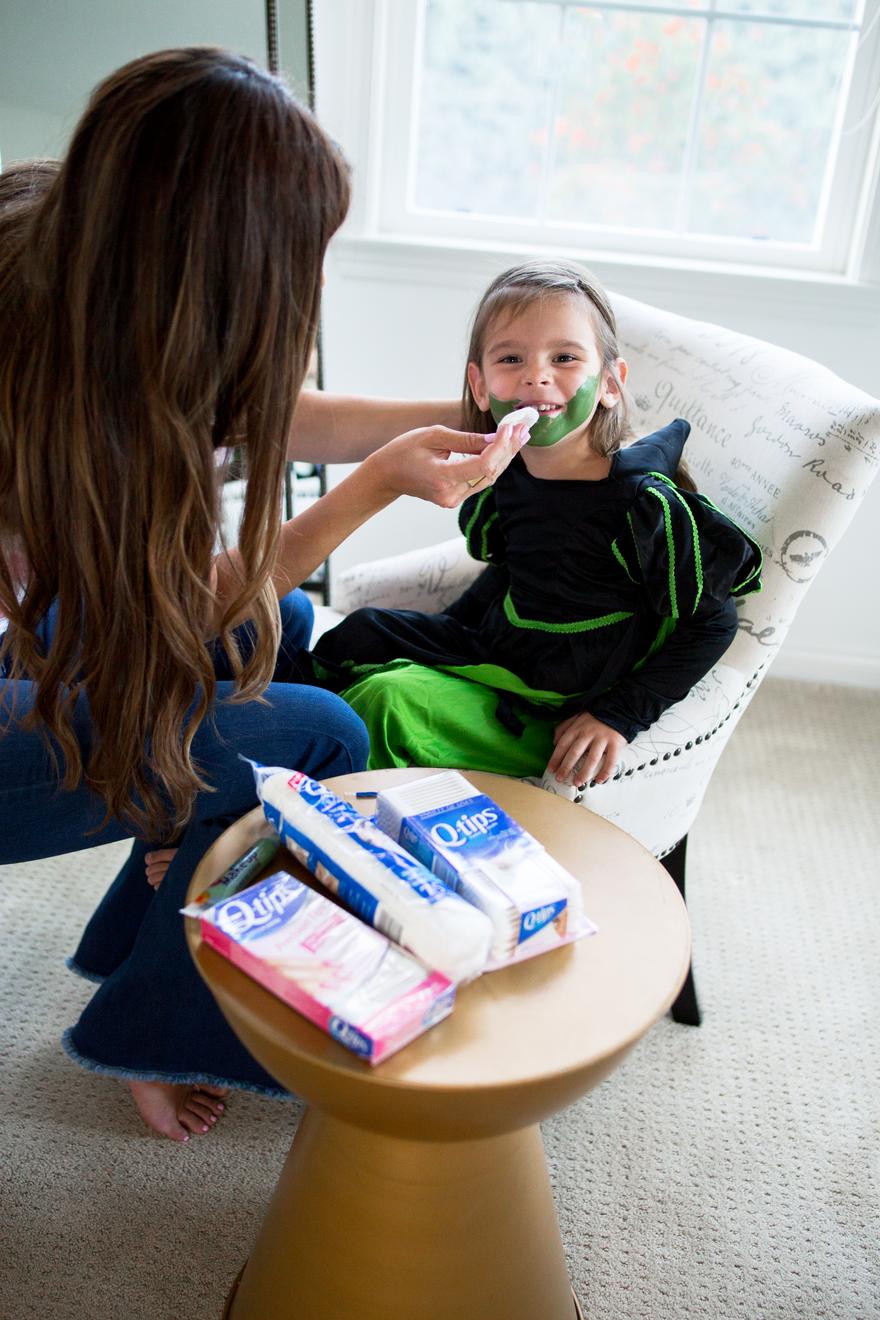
[(620, 559), (726, 516), (356, 670), (635, 542), (760, 553), (474, 519), (698, 558), (698, 554), (737, 588), (579, 626), (321, 674), (670, 547), (484, 541), (754, 573), (481, 500), (664, 632)]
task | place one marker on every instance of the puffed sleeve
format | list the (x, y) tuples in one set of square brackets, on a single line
[(685, 551), (660, 452), (478, 520)]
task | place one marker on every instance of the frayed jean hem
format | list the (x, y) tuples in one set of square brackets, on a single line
[(174, 1079), (73, 966)]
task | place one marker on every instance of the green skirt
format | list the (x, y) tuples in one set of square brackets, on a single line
[(416, 715)]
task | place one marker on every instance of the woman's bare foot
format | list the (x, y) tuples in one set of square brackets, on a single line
[(175, 1110), (158, 863)]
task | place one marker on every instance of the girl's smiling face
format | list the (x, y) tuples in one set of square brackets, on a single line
[(547, 356)]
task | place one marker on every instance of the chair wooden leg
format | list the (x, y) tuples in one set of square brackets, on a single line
[(686, 1009)]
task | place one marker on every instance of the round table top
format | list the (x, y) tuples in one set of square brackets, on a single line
[(556, 1013)]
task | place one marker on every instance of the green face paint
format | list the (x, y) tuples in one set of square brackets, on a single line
[(549, 430)]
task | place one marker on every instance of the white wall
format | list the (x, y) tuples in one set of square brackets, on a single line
[(53, 52)]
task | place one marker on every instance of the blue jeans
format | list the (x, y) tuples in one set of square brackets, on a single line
[(152, 1016)]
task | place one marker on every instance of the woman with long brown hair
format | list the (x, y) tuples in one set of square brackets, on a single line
[(159, 298)]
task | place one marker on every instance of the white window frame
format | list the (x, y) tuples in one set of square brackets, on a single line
[(366, 59)]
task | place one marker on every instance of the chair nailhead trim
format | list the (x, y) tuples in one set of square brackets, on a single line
[(700, 738)]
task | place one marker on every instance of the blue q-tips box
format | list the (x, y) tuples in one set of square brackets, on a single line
[(482, 853)]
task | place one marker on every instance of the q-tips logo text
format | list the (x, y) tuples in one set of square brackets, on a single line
[(538, 918), (456, 833), (262, 909), (348, 1035)]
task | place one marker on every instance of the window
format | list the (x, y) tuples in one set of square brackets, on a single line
[(732, 130)]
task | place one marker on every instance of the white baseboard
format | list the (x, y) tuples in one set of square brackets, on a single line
[(827, 667)]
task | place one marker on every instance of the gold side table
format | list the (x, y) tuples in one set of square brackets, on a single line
[(418, 1190)]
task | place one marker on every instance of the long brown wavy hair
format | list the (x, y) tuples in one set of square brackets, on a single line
[(159, 297)]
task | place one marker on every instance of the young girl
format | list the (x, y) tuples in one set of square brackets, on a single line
[(609, 587)]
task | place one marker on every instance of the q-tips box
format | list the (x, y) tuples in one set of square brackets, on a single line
[(484, 855), (347, 978)]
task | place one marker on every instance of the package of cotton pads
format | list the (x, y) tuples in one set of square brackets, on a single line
[(467, 840), (375, 877), (348, 979)]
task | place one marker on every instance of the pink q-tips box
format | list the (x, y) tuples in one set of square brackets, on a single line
[(341, 974)]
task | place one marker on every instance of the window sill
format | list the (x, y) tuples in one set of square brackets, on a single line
[(697, 286)]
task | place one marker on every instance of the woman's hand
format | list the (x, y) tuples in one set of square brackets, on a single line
[(444, 466), (586, 750)]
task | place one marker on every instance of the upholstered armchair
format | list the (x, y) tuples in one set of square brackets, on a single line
[(779, 443)]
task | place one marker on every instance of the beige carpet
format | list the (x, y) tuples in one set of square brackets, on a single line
[(726, 1172)]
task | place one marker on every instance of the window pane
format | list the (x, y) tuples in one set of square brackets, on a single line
[(627, 87), (818, 10), (766, 128), (485, 100), (580, 115), (665, 4)]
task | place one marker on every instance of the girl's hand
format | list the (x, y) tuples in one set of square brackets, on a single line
[(586, 750), (445, 466)]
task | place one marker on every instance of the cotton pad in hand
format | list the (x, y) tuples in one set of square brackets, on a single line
[(521, 417)]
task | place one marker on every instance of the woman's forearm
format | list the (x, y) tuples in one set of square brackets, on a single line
[(435, 463), (339, 428), (306, 541)]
